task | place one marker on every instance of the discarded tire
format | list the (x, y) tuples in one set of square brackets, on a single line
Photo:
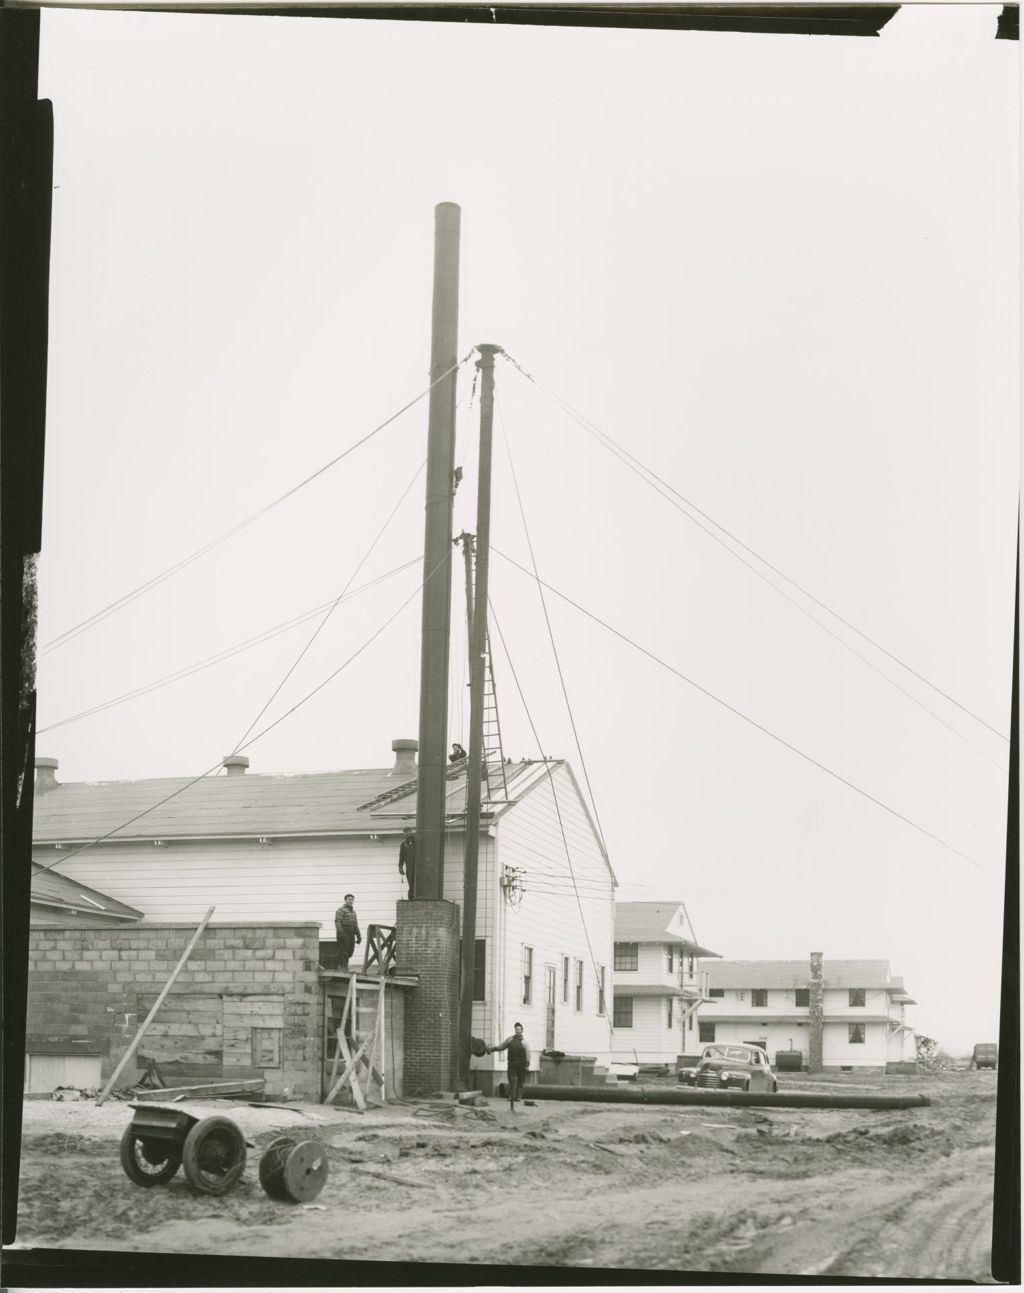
[(293, 1171), (214, 1155), (148, 1162)]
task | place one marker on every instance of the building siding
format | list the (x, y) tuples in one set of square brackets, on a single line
[(549, 920), (291, 879)]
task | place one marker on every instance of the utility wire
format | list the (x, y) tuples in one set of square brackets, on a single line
[(547, 621), (334, 605), (220, 656), (747, 719), (558, 811), (623, 454), (253, 739), (135, 593)]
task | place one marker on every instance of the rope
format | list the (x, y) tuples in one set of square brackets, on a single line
[(753, 722), (135, 593), (639, 468)]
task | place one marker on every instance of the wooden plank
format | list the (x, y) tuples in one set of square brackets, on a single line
[(346, 1075), (156, 1006), (250, 1086)]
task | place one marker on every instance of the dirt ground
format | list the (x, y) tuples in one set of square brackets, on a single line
[(901, 1194)]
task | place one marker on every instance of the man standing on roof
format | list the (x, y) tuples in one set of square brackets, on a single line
[(457, 754), (407, 857), (346, 928)]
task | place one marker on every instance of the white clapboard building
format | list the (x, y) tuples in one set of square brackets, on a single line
[(289, 847)]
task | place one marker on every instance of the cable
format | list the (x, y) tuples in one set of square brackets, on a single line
[(753, 722), (334, 605), (551, 635), (623, 454), (128, 598), (253, 739), (558, 811), (220, 656)]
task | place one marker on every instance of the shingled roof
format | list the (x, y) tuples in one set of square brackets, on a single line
[(649, 922), (797, 974), (251, 804), (51, 889)]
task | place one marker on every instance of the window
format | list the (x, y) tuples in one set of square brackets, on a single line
[(716, 992), (803, 996), (579, 985), (691, 965), (600, 989), (480, 969), (669, 960), (627, 956), (527, 975), (622, 1012), (707, 1033), (266, 1048), (759, 996), (857, 997), (856, 1033), (670, 1004), (565, 979)]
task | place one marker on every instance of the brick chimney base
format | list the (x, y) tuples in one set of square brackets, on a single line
[(427, 932)]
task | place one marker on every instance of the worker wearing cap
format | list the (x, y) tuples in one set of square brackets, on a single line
[(346, 928), (518, 1055)]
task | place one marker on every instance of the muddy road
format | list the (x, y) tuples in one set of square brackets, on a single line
[(903, 1194)]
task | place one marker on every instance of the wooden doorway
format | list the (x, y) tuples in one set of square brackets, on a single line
[(549, 1008)]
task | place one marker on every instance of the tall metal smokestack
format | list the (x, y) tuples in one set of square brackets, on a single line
[(437, 557)]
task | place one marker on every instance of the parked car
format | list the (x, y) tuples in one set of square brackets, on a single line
[(728, 1067)]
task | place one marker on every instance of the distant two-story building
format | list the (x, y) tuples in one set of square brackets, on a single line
[(657, 982), (837, 1014)]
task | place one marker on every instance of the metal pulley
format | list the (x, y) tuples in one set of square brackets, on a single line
[(292, 1170)]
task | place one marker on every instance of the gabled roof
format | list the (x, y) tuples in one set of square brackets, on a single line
[(650, 922), (51, 889), (245, 805), (797, 974)]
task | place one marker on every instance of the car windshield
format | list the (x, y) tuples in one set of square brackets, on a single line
[(740, 1054)]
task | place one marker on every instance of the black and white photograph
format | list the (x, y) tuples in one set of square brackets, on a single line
[(511, 535)]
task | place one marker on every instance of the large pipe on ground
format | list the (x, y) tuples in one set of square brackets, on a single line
[(756, 1099)]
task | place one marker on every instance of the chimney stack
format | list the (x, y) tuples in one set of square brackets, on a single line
[(816, 1000), (46, 778), (236, 764), (405, 757)]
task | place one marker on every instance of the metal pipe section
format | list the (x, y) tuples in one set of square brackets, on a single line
[(477, 660), (437, 558), (743, 1099)]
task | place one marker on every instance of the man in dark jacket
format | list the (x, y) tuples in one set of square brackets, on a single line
[(407, 857), (518, 1057), (346, 928)]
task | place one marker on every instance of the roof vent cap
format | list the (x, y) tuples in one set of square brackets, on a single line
[(46, 775), (405, 757), (235, 764)]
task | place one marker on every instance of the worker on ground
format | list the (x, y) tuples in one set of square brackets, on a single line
[(346, 928), (457, 753), (407, 857), (518, 1057)]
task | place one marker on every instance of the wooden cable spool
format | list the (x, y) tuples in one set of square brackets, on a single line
[(293, 1171)]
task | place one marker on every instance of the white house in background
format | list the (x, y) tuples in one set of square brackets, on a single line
[(657, 982), (279, 848), (865, 1023)]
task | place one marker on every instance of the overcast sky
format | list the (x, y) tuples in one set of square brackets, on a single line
[(780, 271)]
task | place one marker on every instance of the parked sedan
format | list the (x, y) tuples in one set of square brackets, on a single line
[(735, 1068)]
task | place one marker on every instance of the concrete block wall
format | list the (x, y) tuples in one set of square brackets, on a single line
[(427, 936), (90, 985)]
